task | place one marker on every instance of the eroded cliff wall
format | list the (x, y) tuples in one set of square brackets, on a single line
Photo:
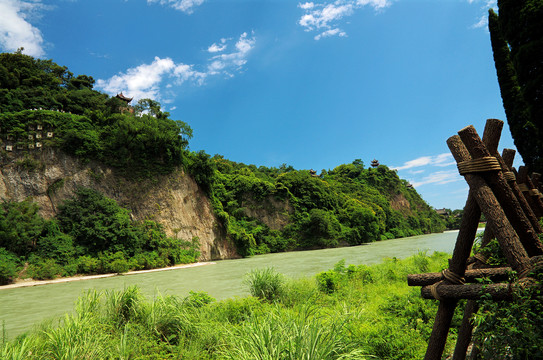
[(175, 200)]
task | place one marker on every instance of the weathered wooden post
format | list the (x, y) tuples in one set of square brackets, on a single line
[(530, 191), (470, 276), (494, 192), (508, 156), (509, 241), (457, 264), (487, 202), (500, 187)]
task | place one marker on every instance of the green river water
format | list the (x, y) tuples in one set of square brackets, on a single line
[(21, 308)]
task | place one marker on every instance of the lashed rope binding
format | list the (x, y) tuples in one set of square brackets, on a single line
[(509, 176), (487, 163), (450, 277), (536, 264), (479, 256)]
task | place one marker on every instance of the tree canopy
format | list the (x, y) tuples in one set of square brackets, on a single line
[(517, 44), (87, 123)]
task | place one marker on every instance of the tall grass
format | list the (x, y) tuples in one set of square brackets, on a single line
[(370, 313), (292, 335), (266, 284)]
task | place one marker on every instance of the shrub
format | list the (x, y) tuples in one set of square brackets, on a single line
[(328, 281), (236, 310), (299, 291), (45, 269), (513, 329), (364, 273), (88, 265), (8, 266), (114, 263), (198, 299), (55, 244), (265, 284)]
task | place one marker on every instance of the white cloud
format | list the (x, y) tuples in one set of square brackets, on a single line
[(439, 178), (140, 82), (376, 4), (483, 19), (331, 32), (307, 5), (218, 47), (15, 29), (325, 17), (417, 167), (235, 59), (437, 160), (186, 6), (154, 79)]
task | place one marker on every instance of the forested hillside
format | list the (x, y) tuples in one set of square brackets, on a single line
[(348, 205), (43, 105)]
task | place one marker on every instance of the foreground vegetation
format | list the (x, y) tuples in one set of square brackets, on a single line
[(349, 312)]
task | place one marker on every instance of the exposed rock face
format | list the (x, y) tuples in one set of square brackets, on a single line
[(175, 200), (275, 214), (400, 203)]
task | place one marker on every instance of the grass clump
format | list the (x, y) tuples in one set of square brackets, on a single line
[(265, 284)]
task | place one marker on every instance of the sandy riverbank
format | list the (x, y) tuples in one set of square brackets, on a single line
[(31, 282)]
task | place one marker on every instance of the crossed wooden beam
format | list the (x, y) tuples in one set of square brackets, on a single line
[(512, 204)]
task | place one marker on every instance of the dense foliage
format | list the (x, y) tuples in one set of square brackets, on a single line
[(91, 234), (370, 313), (510, 329), (347, 205), (517, 44), (86, 123)]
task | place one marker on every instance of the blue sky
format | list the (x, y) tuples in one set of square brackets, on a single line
[(310, 84)]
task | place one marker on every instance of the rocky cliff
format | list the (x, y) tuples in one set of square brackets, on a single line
[(175, 201)]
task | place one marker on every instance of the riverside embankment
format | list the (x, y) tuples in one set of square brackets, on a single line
[(21, 308)]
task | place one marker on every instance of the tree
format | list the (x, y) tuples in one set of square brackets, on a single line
[(97, 223), (151, 107), (20, 226), (517, 44)]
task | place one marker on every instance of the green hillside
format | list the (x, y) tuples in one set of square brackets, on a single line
[(261, 209)]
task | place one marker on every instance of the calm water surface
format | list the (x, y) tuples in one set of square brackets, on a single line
[(21, 308)]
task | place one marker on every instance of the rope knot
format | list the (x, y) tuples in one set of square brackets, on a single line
[(487, 163)]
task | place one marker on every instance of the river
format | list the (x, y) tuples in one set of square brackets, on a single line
[(21, 308)]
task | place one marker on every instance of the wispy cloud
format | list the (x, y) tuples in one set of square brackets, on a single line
[(482, 22), (186, 6), (218, 47), (231, 60), (439, 178), (15, 29), (156, 79), (325, 17), (415, 169), (441, 160)]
